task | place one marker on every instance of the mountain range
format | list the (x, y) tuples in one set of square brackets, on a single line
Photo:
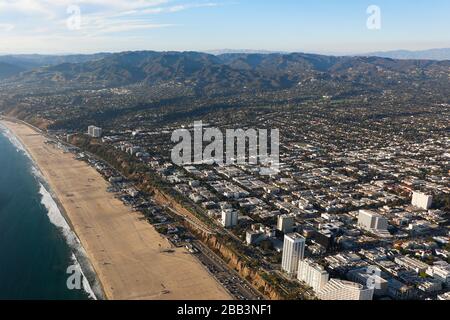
[(232, 72), (431, 54), (8, 70), (31, 61)]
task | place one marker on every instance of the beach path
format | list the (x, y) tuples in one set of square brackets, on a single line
[(126, 252)]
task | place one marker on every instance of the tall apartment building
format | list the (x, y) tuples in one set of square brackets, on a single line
[(336, 289), (229, 218), (94, 131), (422, 201), (313, 274), (372, 221), (285, 223), (293, 252)]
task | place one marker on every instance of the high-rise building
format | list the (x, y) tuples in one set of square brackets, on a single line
[(229, 218), (365, 219), (336, 289), (94, 131), (381, 223), (285, 223), (293, 252), (312, 274), (372, 221), (422, 201)]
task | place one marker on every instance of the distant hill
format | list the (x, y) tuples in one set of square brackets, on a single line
[(8, 70), (432, 54), (235, 72), (30, 61), (244, 51)]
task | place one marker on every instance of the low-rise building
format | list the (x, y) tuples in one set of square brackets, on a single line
[(411, 264), (370, 277), (336, 289), (441, 272)]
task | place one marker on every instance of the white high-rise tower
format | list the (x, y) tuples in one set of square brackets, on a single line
[(293, 252)]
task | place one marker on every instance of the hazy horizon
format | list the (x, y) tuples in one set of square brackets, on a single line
[(326, 27), (222, 51)]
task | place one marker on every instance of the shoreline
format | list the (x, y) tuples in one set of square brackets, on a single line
[(79, 256), (122, 250), (80, 259)]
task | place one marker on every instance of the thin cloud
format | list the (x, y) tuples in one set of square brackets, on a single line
[(178, 8), (117, 21), (97, 16), (6, 27)]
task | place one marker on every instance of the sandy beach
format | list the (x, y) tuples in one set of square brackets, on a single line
[(125, 251)]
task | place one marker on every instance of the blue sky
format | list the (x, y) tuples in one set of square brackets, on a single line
[(325, 26)]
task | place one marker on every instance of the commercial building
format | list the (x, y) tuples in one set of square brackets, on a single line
[(260, 233), (293, 252), (422, 201), (254, 237), (336, 289), (411, 264), (372, 221), (399, 291), (285, 223), (229, 218), (444, 296), (313, 274), (370, 277), (441, 272), (95, 132), (429, 285)]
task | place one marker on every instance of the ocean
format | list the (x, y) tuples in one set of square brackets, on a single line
[(36, 244)]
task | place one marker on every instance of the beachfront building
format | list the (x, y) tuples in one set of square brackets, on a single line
[(230, 218), (337, 289), (293, 252), (313, 274)]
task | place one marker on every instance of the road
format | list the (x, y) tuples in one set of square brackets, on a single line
[(229, 278)]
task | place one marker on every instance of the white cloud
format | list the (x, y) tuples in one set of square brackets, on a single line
[(6, 27), (115, 20), (97, 16), (178, 8), (25, 7)]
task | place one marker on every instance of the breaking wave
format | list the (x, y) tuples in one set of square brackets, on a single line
[(79, 257)]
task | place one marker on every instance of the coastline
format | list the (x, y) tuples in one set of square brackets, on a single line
[(59, 218), (126, 254)]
